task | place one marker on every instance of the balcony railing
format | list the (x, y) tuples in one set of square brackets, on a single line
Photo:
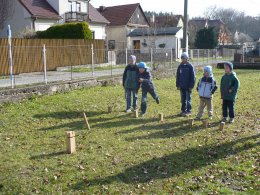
[(76, 17)]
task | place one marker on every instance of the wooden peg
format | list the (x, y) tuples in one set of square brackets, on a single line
[(136, 113), (221, 126), (161, 117), (109, 109), (205, 124), (71, 142), (86, 121), (191, 121)]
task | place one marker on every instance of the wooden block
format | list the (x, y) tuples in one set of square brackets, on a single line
[(109, 109), (161, 117), (191, 122), (205, 123), (136, 114), (71, 142), (221, 126), (86, 121)]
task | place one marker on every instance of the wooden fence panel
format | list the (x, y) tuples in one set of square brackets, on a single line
[(28, 56)]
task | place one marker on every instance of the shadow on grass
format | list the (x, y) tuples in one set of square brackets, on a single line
[(175, 163), (166, 130), (41, 156), (68, 115), (79, 125)]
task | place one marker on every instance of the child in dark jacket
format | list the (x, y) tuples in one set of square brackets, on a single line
[(131, 83), (185, 81), (206, 88), (228, 88), (145, 79)]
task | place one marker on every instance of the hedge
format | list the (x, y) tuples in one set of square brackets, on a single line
[(78, 30), (255, 66)]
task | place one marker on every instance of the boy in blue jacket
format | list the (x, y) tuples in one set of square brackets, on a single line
[(131, 83), (206, 88), (145, 79), (185, 81)]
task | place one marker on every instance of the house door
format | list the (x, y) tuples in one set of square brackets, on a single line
[(137, 44)]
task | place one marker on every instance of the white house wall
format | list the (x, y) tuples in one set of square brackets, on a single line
[(41, 25), (19, 21), (100, 31)]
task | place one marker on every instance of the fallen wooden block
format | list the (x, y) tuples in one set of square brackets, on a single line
[(86, 121), (221, 126), (71, 142), (161, 117), (136, 114), (109, 109), (205, 124), (191, 121)]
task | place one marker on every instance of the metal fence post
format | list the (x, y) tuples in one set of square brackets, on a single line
[(9, 34), (92, 59), (44, 63), (171, 58), (111, 60), (151, 57), (126, 56), (198, 56)]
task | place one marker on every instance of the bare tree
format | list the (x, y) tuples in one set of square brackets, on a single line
[(6, 11)]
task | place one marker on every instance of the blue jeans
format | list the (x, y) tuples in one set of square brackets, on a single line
[(144, 99), (128, 93), (228, 106), (186, 101)]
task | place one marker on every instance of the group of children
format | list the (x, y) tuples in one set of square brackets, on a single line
[(138, 75)]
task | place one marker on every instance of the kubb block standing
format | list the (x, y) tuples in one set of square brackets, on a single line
[(71, 142)]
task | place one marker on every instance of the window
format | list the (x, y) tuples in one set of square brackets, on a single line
[(111, 44), (72, 6), (78, 7), (93, 34)]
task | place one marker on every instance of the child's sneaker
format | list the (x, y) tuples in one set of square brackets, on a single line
[(142, 114), (128, 111), (157, 100), (188, 114), (231, 120), (224, 119)]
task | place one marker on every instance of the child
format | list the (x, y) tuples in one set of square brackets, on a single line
[(185, 81), (130, 83), (147, 85), (228, 88), (206, 88)]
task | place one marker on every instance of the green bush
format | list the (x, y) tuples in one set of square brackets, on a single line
[(78, 30), (206, 38)]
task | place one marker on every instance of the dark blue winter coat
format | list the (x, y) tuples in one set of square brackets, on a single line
[(147, 84), (130, 77), (185, 78)]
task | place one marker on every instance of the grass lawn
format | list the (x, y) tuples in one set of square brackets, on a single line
[(124, 155)]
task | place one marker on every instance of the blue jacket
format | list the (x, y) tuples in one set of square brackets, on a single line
[(147, 84), (207, 87), (185, 78), (130, 77)]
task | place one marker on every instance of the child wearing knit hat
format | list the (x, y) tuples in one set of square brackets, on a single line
[(206, 88), (185, 81), (229, 87), (131, 83)]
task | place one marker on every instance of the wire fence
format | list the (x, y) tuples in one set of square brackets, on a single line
[(89, 65)]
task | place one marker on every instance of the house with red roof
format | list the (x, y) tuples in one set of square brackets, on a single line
[(38, 15), (123, 20)]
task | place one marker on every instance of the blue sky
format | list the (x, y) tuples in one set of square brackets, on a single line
[(196, 7)]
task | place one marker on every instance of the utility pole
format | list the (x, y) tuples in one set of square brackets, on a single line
[(185, 27)]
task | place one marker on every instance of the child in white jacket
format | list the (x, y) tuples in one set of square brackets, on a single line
[(206, 88)]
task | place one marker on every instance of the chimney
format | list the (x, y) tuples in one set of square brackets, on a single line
[(101, 8)]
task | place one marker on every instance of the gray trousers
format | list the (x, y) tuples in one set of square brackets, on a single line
[(203, 103)]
